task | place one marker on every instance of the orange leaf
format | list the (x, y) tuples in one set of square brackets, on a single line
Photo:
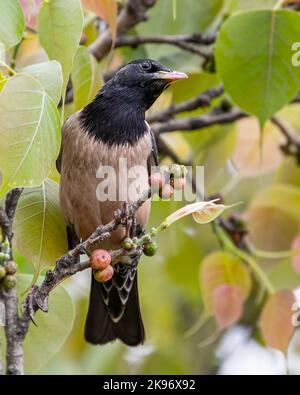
[(276, 320), (227, 305), (106, 10)]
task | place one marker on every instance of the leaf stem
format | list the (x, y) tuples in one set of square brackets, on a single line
[(174, 8), (269, 254), (257, 270), (260, 274), (7, 67)]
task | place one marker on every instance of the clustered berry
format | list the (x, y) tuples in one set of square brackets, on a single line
[(100, 262), (165, 190), (8, 268), (128, 244), (8, 274), (150, 248)]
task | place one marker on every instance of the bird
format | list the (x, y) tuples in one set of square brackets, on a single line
[(110, 128)]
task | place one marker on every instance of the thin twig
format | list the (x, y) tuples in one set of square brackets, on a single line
[(185, 42), (68, 265), (202, 100), (196, 38), (195, 123), (165, 149), (292, 138), (135, 11)]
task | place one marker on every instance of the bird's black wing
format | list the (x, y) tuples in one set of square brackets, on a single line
[(153, 159), (58, 160)]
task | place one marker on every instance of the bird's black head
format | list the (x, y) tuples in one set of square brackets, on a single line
[(117, 114), (144, 80)]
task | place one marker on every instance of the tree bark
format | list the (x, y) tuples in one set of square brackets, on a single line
[(14, 346), (2, 316)]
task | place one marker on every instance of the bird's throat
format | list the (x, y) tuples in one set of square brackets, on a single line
[(114, 120)]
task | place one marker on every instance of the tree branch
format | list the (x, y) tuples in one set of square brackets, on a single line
[(14, 344), (195, 38), (68, 265), (2, 312), (204, 99), (292, 138), (165, 149), (184, 41), (135, 11), (195, 123), (11, 203)]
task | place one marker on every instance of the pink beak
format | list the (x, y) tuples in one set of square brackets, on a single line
[(171, 76)]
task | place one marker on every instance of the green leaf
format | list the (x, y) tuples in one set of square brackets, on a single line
[(29, 133), (12, 23), (49, 75), (174, 8), (255, 64), (39, 227), (45, 340), (60, 24), (221, 268), (86, 78), (248, 4)]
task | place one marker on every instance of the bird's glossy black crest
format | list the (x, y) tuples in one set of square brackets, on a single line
[(117, 114)]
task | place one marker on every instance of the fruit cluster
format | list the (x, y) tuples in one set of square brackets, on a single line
[(8, 268), (100, 261), (8, 274), (149, 246), (176, 175)]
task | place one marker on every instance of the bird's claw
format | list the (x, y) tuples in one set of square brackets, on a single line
[(29, 303), (127, 220)]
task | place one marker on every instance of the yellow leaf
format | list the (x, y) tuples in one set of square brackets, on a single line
[(221, 268)]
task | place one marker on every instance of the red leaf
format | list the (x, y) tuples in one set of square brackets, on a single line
[(276, 320), (227, 305)]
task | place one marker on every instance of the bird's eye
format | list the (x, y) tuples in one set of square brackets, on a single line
[(146, 66)]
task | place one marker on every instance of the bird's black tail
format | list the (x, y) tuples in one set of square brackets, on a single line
[(114, 311)]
